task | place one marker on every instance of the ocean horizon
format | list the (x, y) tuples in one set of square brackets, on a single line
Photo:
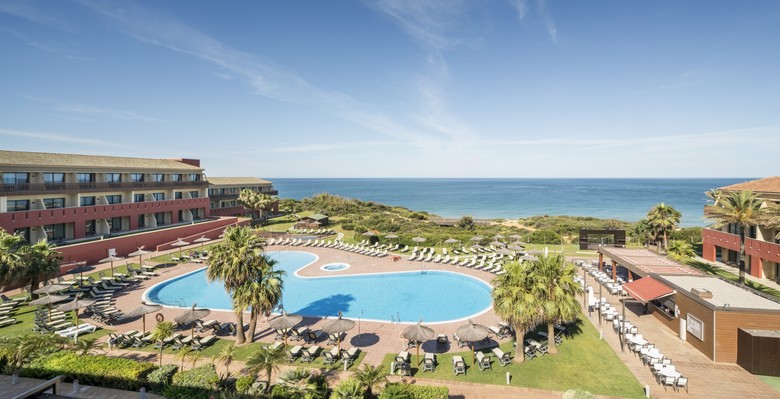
[(626, 199)]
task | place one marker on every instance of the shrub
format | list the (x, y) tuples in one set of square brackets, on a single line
[(348, 226), (429, 392), (244, 384), (109, 372), (544, 236), (161, 377), (197, 383), (397, 391)]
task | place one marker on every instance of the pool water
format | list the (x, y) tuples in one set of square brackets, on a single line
[(435, 296), (334, 267)]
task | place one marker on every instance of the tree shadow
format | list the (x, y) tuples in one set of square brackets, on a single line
[(330, 306), (364, 339)]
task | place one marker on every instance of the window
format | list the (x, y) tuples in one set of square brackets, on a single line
[(114, 199), (113, 177), (193, 194), (87, 201), (90, 228), (136, 177), (139, 197), (159, 196), (85, 177), (158, 177), (24, 232), (54, 177), (160, 217), (141, 221), (115, 224), (175, 177), (18, 205), (55, 232), (194, 177), (178, 195), (50, 203), (16, 178)]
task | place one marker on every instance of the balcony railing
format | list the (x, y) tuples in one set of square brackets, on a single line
[(63, 188), (762, 249), (235, 195)]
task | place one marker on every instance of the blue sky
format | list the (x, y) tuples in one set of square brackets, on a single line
[(417, 88)]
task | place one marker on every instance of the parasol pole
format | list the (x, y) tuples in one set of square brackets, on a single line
[(143, 318)]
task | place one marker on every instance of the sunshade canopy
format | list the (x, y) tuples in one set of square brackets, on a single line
[(111, 259), (51, 288), (285, 321), (472, 332), (338, 325), (202, 239), (139, 252), (391, 236), (180, 243), (647, 289), (418, 239), (451, 241), (49, 299), (418, 332), (75, 304), (190, 315), (142, 310), (477, 238)]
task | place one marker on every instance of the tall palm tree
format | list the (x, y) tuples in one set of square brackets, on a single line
[(264, 360), (557, 292), (86, 345), (235, 260), (742, 208), (37, 262), (227, 356), (161, 332), (9, 256), (664, 219), (350, 388), (261, 293), (515, 301), (371, 377), (183, 354), (256, 202), (680, 249)]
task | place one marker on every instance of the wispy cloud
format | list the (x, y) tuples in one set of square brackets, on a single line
[(552, 29), (430, 22), (41, 16), (61, 138), (84, 109), (48, 45), (521, 6)]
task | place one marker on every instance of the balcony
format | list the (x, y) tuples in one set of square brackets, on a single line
[(70, 188), (228, 211), (762, 249), (223, 196)]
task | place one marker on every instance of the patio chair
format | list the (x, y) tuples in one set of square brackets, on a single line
[(529, 353), (298, 334), (294, 353), (429, 362), (504, 358), (333, 339), (668, 381), (459, 367), (483, 361), (349, 356), (681, 382)]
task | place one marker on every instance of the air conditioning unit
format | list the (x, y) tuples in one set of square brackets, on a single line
[(702, 293)]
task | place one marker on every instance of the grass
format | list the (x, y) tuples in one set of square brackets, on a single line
[(716, 271), (583, 362), (24, 321), (773, 382)]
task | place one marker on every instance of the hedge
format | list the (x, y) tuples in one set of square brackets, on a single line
[(397, 391), (97, 370), (196, 383), (160, 378)]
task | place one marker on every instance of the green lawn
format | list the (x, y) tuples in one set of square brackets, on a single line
[(774, 382), (583, 362), (716, 271), (24, 321)]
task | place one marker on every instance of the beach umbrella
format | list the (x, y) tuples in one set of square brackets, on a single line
[(477, 238), (418, 332), (338, 326), (51, 289), (529, 258), (48, 300), (472, 333), (142, 311), (498, 237), (111, 259), (515, 236), (139, 253), (369, 233), (201, 240), (451, 241), (391, 236), (190, 315), (180, 243), (497, 244), (284, 322), (515, 247), (418, 239), (75, 305), (503, 251), (535, 252)]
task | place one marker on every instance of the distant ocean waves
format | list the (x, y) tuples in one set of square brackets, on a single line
[(623, 199)]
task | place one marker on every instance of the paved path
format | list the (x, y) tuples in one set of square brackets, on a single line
[(7, 390)]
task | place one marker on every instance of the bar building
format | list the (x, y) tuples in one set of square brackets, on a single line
[(224, 191), (762, 249)]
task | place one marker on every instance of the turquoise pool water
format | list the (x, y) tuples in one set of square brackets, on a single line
[(435, 296)]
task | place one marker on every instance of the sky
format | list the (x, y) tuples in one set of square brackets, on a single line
[(413, 88)]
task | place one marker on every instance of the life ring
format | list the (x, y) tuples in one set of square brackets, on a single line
[(160, 318)]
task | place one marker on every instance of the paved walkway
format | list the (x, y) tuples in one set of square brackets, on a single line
[(8, 390), (707, 379)]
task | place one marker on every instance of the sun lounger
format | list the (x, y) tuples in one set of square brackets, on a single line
[(333, 339), (458, 365), (199, 344), (504, 358), (483, 361), (310, 354), (7, 322), (429, 362), (314, 336), (80, 330), (294, 353), (332, 356)]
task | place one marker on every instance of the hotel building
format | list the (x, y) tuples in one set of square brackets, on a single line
[(762, 249), (224, 191)]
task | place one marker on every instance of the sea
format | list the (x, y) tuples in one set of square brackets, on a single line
[(622, 199)]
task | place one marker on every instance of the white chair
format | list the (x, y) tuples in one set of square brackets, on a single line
[(681, 382)]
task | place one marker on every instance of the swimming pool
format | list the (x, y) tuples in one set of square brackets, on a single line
[(436, 296)]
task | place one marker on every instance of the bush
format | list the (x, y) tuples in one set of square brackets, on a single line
[(244, 384), (429, 392), (98, 370), (161, 377), (544, 236), (348, 226), (197, 383), (397, 391)]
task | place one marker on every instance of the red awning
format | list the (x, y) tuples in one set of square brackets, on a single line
[(646, 289)]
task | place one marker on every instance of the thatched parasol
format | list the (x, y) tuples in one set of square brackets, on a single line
[(139, 253), (418, 332), (180, 243), (51, 289), (201, 240), (503, 251), (451, 241), (48, 300), (515, 247), (472, 333), (529, 258), (75, 305), (515, 236), (111, 259), (477, 238), (498, 236), (369, 233), (497, 244), (338, 326), (391, 236), (190, 315), (284, 322), (419, 239), (142, 311)]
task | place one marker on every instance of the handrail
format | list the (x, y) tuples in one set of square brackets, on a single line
[(52, 384)]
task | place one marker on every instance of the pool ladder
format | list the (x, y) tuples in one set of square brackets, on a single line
[(423, 269)]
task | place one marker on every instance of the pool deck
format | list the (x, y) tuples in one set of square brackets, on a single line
[(377, 338)]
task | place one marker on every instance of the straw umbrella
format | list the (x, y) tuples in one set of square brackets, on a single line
[(180, 243), (418, 239), (139, 253), (529, 258), (338, 326), (497, 244), (418, 332), (201, 240), (111, 259), (75, 305), (284, 322), (49, 300), (498, 237), (451, 241), (515, 237), (472, 333), (190, 315), (51, 289), (477, 238), (142, 311), (515, 247), (391, 236)]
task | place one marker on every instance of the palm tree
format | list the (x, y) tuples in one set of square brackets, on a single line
[(742, 208), (86, 345), (642, 231), (9, 256), (261, 293), (226, 357), (680, 249), (264, 360), (557, 292), (371, 377), (183, 354), (664, 219), (162, 331), (256, 202), (301, 383), (194, 357), (235, 260), (37, 262), (515, 301), (350, 388)]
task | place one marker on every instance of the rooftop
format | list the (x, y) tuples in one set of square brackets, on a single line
[(237, 181), (723, 293), (38, 160), (766, 185), (644, 262)]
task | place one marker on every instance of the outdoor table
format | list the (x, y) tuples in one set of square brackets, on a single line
[(669, 372), (638, 341), (654, 354)]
